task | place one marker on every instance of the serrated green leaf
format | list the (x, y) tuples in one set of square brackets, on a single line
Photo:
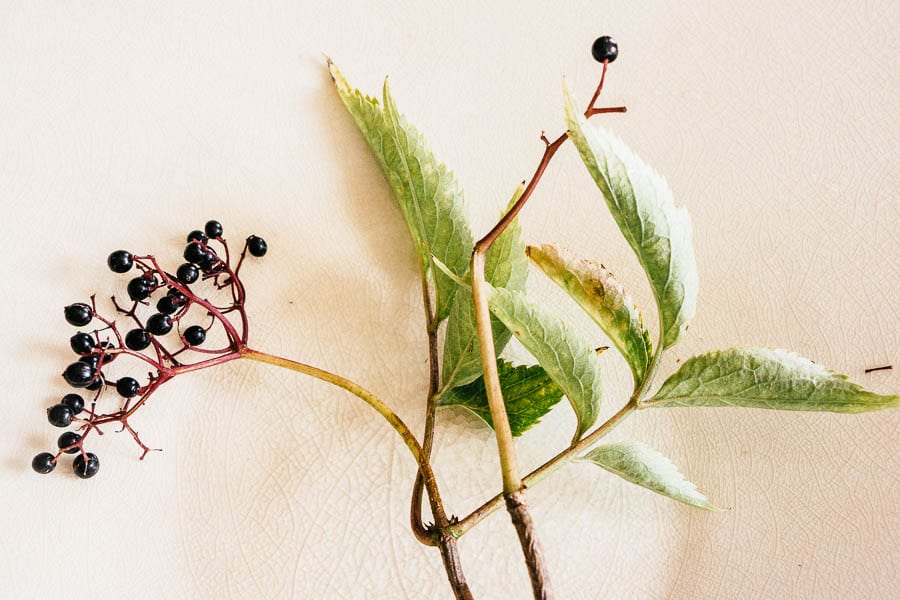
[(644, 466), (568, 359), (765, 378), (642, 205), (603, 298), (426, 191), (505, 266), (528, 393)]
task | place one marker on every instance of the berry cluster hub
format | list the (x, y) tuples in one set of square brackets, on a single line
[(201, 304)]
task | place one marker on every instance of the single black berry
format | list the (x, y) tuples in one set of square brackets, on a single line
[(137, 339), (159, 324), (195, 252), (257, 246), (69, 438), (188, 273), (43, 463), (79, 374), (127, 387), (79, 314), (59, 415), (96, 384), (74, 402), (195, 335), (138, 289), (91, 359), (605, 49), (82, 343), (86, 468), (197, 236), (213, 229), (120, 261), (168, 305)]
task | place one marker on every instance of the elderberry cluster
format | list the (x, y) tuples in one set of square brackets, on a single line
[(169, 341)]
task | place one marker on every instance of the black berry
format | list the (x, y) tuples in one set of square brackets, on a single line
[(137, 339), (197, 236), (82, 343), (74, 402), (168, 305), (96, 384), (138, 289), (86, 468), (127, 387), (195, 335), (79, 374), (605, 49), (43, 463), (213, 229), (59, 415), (79, 314), (91, 359), (188, 273), (195, 253), (69, 438), (159, 324), (120, 261), (257, 246)]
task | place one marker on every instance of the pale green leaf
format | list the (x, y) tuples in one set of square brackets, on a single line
[(528, 393), (644, 466), (426, 191), (569, 360), (764, 378), (642, 205), (505, 266), (602, 297)]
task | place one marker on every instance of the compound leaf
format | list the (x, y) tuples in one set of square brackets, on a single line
[(765, 378)]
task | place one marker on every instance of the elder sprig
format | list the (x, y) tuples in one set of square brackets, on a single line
[(204, 296)]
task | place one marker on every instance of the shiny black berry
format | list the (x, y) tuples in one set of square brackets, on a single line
[(43, 463), (127, 387), (96, 384), (79, 314), (74, 402), (213, 229), (194, 253), (137, 339), (69, 438), (159, 324), (91, 359), (138, 289), (120, 261), (257, 246), (82, 343), (195, 335), (197, 236), (60, 415), (188, 273), (168, 305), (86, 468), (79, 374), (605, 49)]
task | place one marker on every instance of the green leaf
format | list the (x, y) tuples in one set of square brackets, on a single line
[(528, 393), (764, 378), (642, 205), (602, 297), (641, 464), (568, 359), (505, 266), (426, 191)]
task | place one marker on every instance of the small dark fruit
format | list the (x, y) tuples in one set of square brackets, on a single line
[(257, 246), (120, 261), (168, 305), (86, 468), (195, 252), (188, 273), (96, 384), (138, 289), (213, 229), (79, 374), (159, 324), (60, 415), (137, 339), (69, 438), (79, 314), (605, 49), (43, 463), (82, 343), (74, 402), (197, 236), (127, 387), (195, 335)]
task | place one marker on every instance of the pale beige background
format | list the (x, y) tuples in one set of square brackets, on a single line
[(127, 124)]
